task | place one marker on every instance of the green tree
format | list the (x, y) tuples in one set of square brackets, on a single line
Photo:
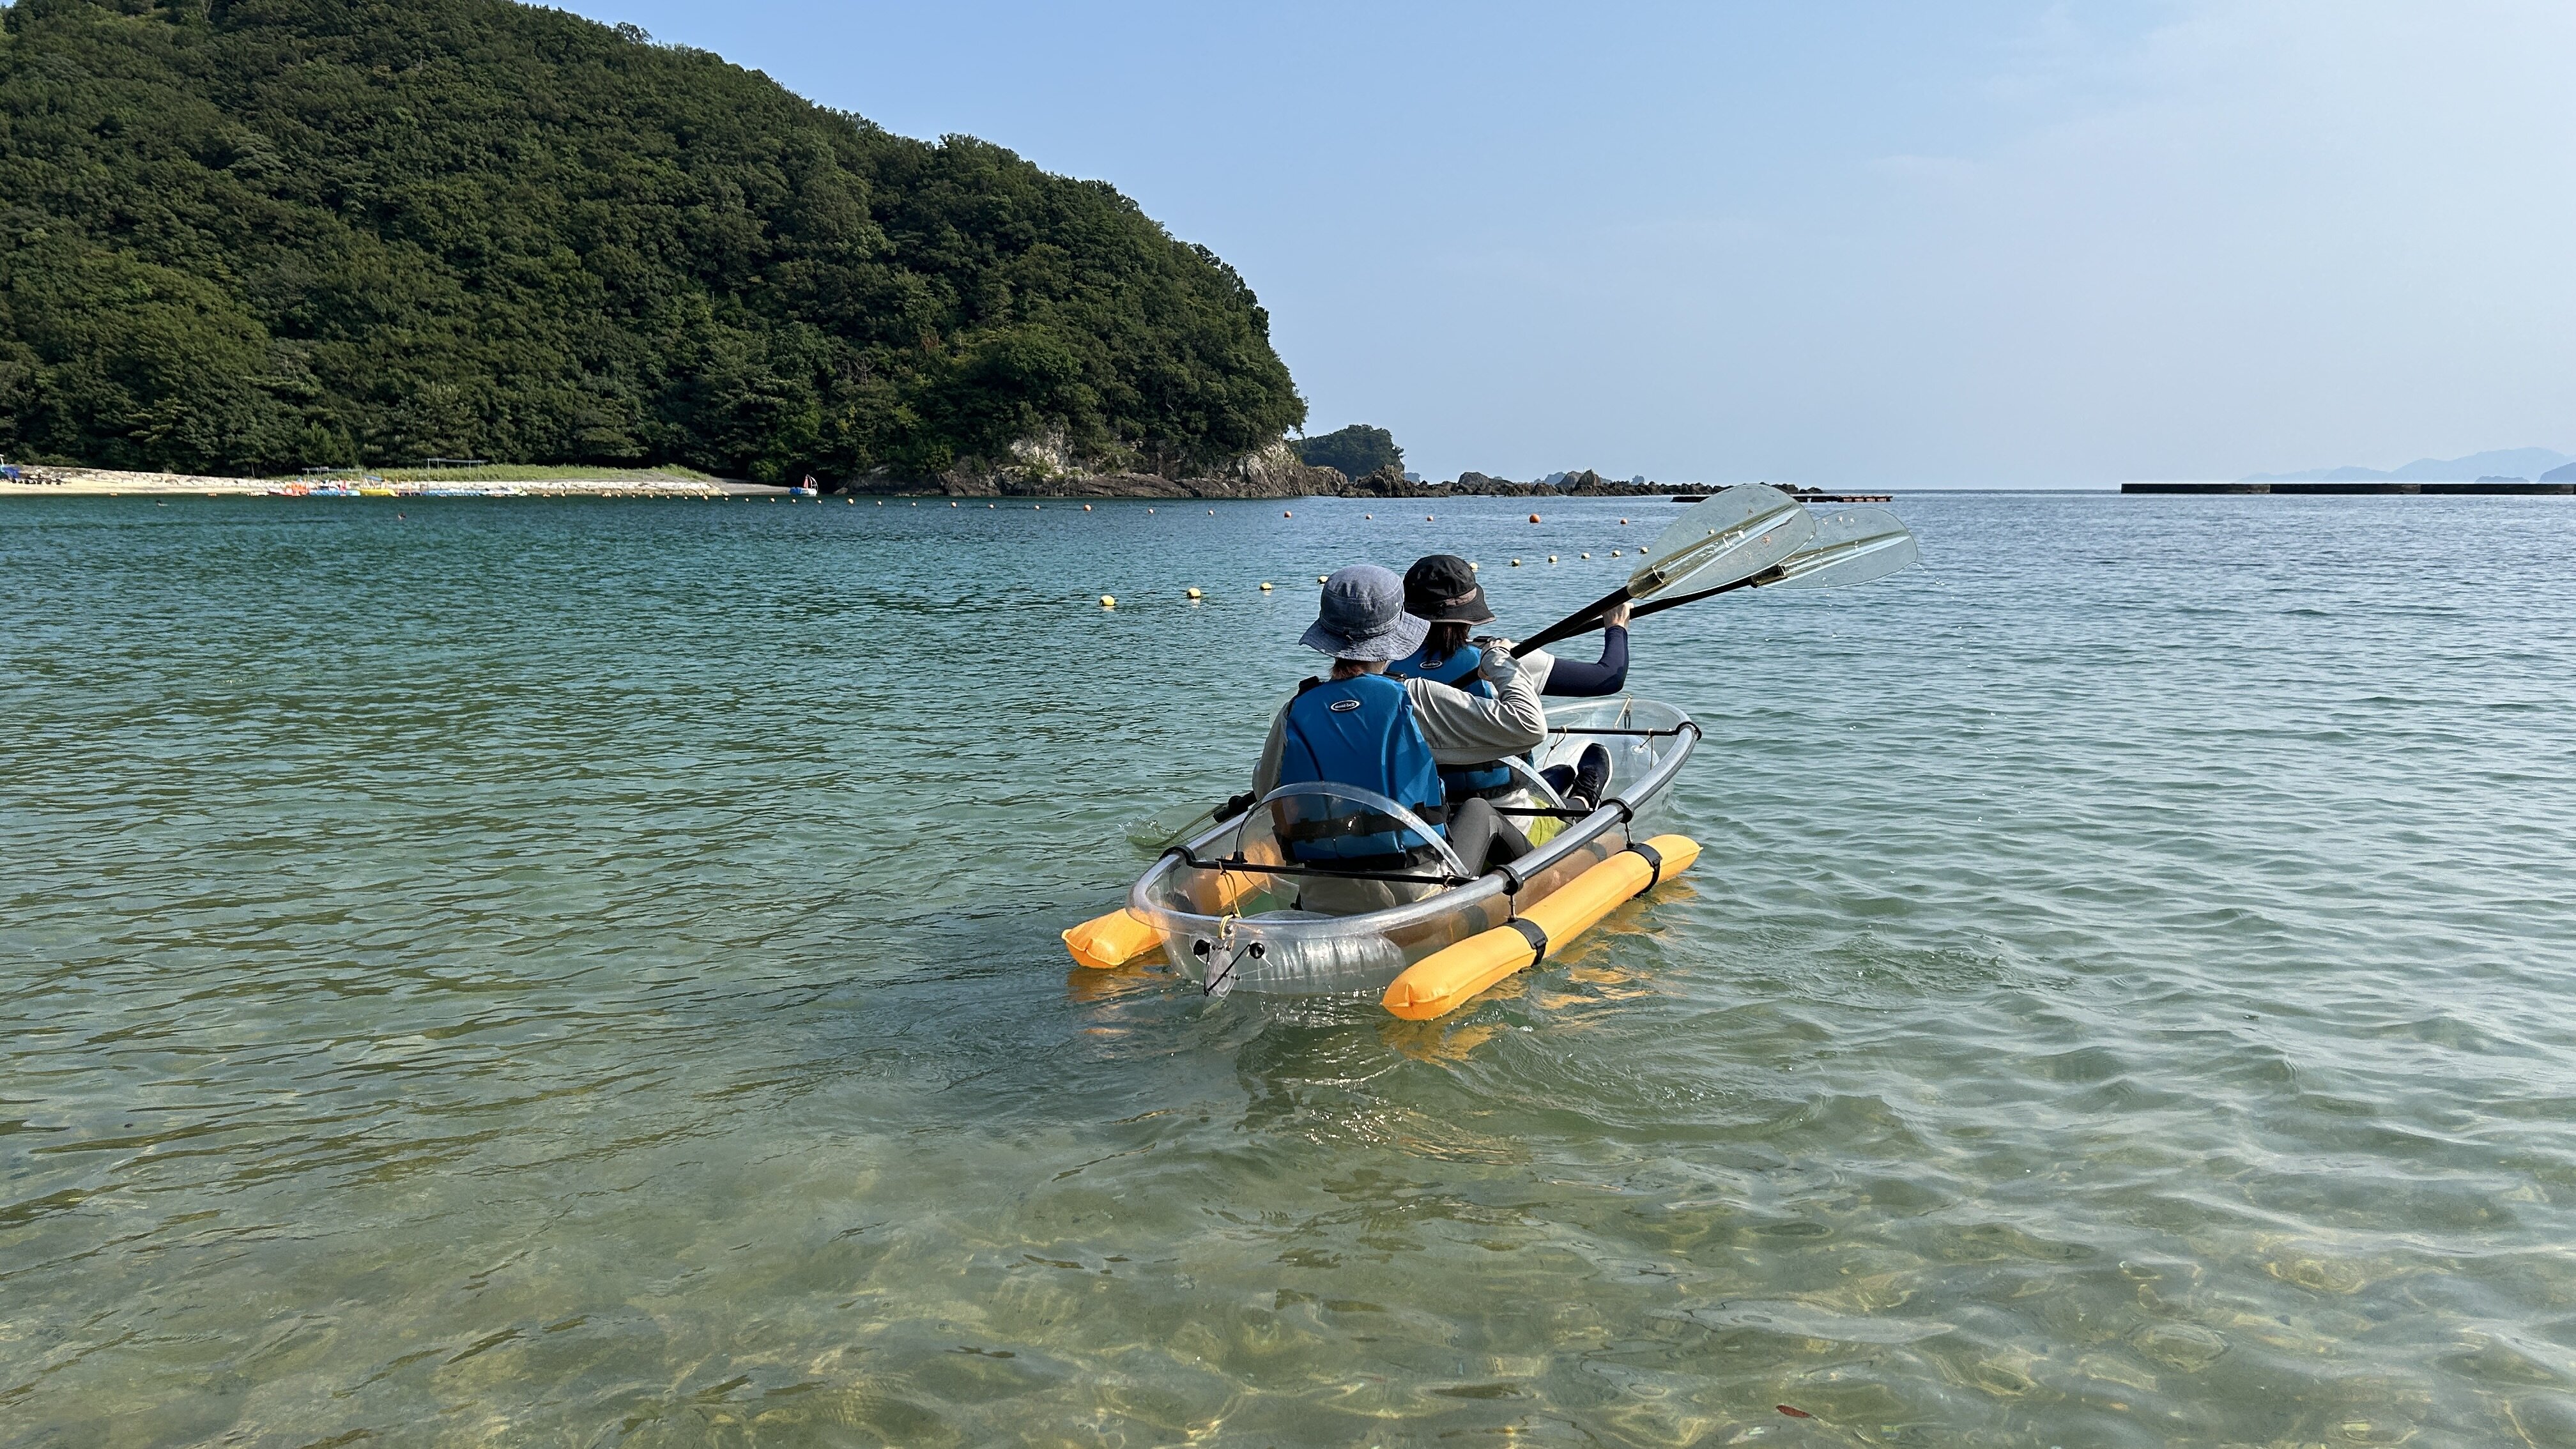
[(1357, 450), (250, 235)]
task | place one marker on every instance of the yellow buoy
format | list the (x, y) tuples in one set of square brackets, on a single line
[(1551, 558), (1284, 513), (1474, 567), (1587, 555), (1323, 578), (1086, 508), (1368, 515), (1614, 553), (1107, 602), (1265, 586), (1454, 975), (1426, 518), (1193, 593), (952, 505), (1516, 563)]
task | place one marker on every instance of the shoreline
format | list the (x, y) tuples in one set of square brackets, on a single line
[(651, 483), (102, 482)]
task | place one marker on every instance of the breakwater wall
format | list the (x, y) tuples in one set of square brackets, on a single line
[(2348, 487)]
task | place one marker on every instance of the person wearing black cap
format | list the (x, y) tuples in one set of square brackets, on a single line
[(1441, 589), (1362, 729)]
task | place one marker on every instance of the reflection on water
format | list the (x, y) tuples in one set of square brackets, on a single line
[(586, 972)]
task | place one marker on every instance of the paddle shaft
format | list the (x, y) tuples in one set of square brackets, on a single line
[(1581, 621), (1588, 618), (1767, 576)]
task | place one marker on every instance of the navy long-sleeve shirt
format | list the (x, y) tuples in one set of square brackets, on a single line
[(1571, 677)]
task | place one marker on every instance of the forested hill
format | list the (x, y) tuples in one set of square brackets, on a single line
[(254, 235)]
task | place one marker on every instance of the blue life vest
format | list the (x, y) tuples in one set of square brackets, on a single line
[(1459, 671), (1358, 732)]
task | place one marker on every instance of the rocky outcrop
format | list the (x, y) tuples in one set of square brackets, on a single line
[(1044, 468), (1279, 473)]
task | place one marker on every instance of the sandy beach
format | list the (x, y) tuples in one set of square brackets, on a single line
[(42, 482)]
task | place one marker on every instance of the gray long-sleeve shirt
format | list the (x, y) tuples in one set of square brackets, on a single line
[(1461, 728)]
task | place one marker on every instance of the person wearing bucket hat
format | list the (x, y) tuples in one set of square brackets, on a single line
[(1442, 590), (1359, 728)]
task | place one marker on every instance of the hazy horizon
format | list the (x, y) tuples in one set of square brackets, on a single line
[(2007, 244)]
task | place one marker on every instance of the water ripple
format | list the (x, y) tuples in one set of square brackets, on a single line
[(585, 971)]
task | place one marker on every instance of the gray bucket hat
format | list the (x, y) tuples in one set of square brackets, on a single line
[(1362, 616)]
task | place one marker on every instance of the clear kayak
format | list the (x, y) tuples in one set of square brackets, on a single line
[(1234, 912)]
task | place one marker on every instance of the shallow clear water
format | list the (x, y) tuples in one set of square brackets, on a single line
[(585, 972)]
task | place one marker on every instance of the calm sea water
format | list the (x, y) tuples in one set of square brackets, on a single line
[(585, 973)]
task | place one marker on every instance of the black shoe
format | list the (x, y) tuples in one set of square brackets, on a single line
[(1591, 778)]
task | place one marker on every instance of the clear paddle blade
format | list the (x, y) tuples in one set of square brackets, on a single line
[(1735, 534), (1850, 546), (1168, 827)]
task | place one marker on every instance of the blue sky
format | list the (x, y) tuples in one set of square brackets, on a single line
[(1966, 244)]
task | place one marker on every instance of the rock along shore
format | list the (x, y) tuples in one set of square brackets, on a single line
[(1291, 481), (1262, 476)]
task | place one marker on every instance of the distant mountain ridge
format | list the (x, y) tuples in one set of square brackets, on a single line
[(2501, 462)]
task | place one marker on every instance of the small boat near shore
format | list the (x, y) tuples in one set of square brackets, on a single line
[(1224, 909)]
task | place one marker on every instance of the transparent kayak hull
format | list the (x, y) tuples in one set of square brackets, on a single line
[(1240, 927)]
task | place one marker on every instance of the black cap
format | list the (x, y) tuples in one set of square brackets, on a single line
[(1443, 588)]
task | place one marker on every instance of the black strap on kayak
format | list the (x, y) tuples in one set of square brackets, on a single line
[(1688, 724), (1654, 858), (1183, 854), (1531, 933)]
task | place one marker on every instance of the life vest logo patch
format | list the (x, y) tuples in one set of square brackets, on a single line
[(1339, 705)]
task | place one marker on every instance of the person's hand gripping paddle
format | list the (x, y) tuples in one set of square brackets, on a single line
[(1734, 535)]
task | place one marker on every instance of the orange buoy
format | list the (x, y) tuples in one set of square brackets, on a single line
[(1533, 518), (1111, 941), (1284, 513), (1086, 508), (1426, 518)]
